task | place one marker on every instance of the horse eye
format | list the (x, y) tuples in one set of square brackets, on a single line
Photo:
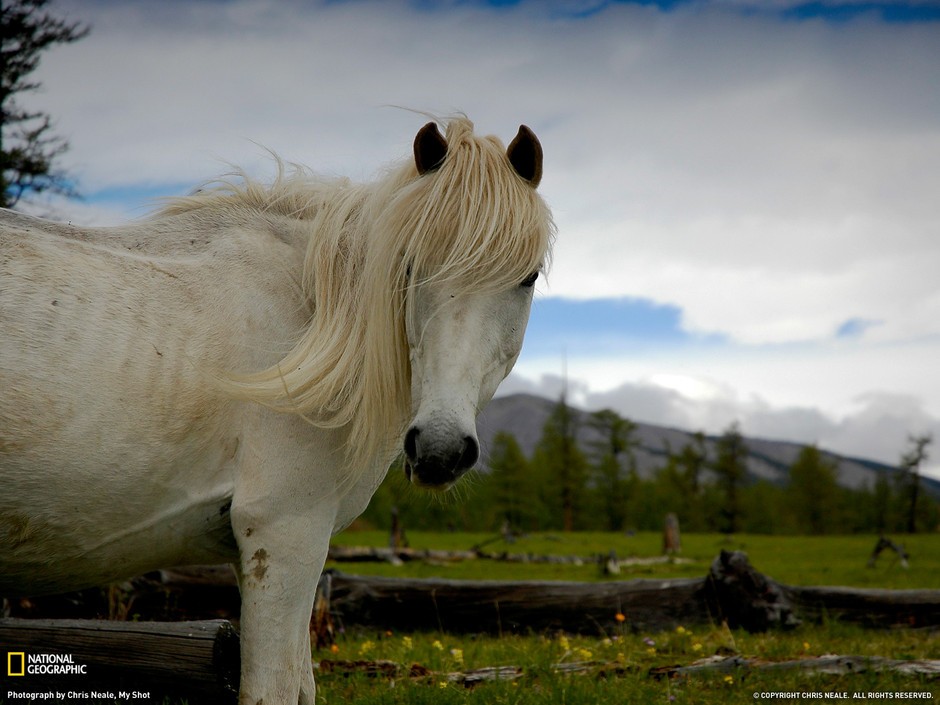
[(529, 281)]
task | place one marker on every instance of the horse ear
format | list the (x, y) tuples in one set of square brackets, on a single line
[(430, 148), (525, 155)]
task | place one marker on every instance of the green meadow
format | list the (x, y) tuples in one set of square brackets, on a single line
[(794, 560), (624, 666)]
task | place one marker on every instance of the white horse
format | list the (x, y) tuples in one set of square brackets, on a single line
[(229, 380)]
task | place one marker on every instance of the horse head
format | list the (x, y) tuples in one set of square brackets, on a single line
[(464, 336)]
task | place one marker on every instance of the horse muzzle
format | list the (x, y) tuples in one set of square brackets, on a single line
[(435, 461)]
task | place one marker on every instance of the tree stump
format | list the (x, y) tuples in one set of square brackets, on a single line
[(671, 543), (745, 598)]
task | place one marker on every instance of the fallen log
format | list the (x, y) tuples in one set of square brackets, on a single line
[(828, 665), (869, 607), (198, 660), (460, 606), (371, 554), (186, 593), (399, 556), (732, 592)]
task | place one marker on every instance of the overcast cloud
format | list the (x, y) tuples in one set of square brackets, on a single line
[(773, 179)]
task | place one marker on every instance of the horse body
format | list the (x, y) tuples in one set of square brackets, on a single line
[(98, 391), (136, 431)]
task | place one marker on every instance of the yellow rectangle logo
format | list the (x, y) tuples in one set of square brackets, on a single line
[(16, 663)]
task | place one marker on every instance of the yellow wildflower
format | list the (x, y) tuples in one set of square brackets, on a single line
[(620, 617), (438, 645)]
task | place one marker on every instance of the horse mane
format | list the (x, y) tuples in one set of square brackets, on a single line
[(473, 222)]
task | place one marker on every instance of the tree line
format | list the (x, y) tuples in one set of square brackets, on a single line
[(563, 486)]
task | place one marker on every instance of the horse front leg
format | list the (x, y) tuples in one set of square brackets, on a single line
[(280, 564)]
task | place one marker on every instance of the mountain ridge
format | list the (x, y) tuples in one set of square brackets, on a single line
[(524, 416)]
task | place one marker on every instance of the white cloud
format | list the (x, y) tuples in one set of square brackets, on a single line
[(75, 212), (876, 427), (852, 397)]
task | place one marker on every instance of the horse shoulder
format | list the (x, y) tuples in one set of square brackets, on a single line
[(136, 337)]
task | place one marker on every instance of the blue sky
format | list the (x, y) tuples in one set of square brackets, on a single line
[(848, 11), (832, 11), (745, 189), (591, 327)]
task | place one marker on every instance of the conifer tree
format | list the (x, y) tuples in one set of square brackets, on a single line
[(814, 492), (909, 477), (681, 479), (730, 468), (511, 491), (563, 466), (615, 445), (29, 151)]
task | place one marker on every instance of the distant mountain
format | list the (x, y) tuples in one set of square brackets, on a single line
[(524, 416)]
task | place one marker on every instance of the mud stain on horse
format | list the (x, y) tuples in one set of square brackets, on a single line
[(260, 559)]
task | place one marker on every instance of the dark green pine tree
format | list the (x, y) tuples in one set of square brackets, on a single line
[(510, 484), (680, 482), (562, 467), (813, 492), (909, 478), (614, 447), (29, 151), (730, 468)]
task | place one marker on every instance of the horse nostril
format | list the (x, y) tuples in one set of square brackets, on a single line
[(470, 454), (411, 444)]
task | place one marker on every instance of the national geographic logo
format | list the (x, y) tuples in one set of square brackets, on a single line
[(16, 663), (19, 663)]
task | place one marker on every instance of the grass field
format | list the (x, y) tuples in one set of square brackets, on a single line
[(794, 560), (623, 670), (623, 661)]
